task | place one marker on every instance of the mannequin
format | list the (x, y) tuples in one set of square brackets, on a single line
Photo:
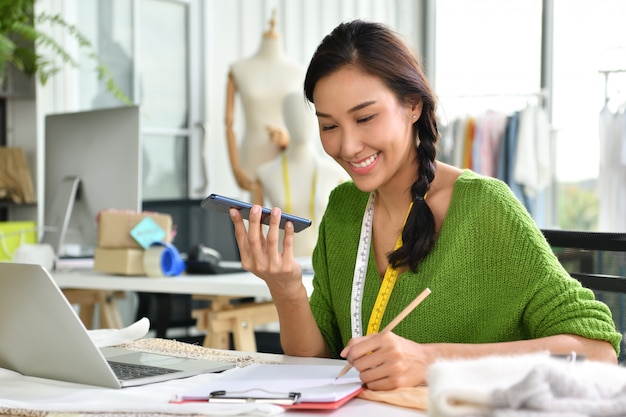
[(300, 180), (262, 82)]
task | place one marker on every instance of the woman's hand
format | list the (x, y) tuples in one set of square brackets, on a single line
[(387, 361), (260, 253), (299, 334)]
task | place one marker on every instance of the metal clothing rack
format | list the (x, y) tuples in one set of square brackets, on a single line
[(542, 94), (606, 74)]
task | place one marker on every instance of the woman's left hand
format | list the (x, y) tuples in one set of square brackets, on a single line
[(387, 361)]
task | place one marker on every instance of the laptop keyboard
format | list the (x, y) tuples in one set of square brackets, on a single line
[(129, 371)]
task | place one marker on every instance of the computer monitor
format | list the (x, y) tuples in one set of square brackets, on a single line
[(92, 163)]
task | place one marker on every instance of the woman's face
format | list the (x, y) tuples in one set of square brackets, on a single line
[(365, 128)]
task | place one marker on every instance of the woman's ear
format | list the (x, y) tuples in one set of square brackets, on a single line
[(416, 110)]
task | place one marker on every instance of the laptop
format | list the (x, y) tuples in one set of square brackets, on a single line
[(41, 335)]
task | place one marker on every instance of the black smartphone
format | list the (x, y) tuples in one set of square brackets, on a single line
[(224, 204)]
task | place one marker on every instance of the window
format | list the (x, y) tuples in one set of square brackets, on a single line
[(488, 53), (147, 44), (488, 73), (589, 37)]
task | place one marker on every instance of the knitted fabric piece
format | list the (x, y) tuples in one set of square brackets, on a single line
[(553, 391)]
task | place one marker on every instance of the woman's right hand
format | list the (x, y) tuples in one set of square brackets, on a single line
[(260, 253)]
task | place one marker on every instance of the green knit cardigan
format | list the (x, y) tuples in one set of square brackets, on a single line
[(492, 275)]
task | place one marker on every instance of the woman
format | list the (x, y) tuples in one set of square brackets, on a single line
[(496, 286)]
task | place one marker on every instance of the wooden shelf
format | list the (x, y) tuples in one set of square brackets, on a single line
[(6, 203)]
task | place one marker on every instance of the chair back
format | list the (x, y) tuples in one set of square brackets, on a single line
[(598, 261)]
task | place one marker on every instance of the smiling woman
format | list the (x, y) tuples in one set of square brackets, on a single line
[(499, 52), (409, 222)]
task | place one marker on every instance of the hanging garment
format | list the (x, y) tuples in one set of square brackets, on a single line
[(612, 171), (492, 128), (532, 156), (470, 129)]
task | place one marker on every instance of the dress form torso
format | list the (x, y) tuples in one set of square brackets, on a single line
[(262, 82), (300, 180)]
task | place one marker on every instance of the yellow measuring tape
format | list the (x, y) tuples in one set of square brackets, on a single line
[(287, 186), (384, 293)]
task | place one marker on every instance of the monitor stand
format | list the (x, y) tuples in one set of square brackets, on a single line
[(59, 213)]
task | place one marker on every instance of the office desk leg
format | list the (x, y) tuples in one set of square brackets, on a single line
[(222, 318), (215, 338), (109, 314), (87, 301), (241, 321)]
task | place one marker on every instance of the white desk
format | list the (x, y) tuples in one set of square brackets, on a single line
[(89, 288), (243, 284), (46, 395)]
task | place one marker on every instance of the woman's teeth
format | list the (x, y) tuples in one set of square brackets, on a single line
[(365, 162)]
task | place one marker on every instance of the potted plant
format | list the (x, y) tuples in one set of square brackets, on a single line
[(20, 41)]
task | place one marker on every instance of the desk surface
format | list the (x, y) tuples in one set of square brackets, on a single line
[(243, 284), (30, 394)]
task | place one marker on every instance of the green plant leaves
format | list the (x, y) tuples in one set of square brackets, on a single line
[(34, 52)]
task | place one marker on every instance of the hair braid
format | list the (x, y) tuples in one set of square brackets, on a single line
[(418, 234)]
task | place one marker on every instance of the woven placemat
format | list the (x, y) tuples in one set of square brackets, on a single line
[(188, 350)]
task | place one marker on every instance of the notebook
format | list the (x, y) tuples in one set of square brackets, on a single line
[(41, 335)]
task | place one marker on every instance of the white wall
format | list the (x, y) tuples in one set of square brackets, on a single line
[(234, 30)]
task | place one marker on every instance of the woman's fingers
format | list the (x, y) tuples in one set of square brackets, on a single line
[(240, 229), (273, 240), (259, 245), (288, 256)]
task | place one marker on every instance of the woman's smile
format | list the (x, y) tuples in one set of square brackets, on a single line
[(365, 164)]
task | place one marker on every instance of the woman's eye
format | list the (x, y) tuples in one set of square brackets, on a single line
[(326, 128), (365, 119)]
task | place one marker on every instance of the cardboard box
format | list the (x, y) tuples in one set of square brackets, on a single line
[(114, 228), (119, 261)]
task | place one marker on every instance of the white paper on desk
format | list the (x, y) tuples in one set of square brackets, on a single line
[(111, 337), (39, 396), (315, 383)]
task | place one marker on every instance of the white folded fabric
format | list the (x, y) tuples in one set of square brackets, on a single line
[(111, 337), (535, 385)]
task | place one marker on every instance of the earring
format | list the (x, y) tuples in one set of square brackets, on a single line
[(414, 117)]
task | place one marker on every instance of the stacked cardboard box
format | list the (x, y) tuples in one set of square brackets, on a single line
[(118, 252)]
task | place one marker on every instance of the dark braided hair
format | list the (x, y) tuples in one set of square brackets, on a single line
[(377, 50)]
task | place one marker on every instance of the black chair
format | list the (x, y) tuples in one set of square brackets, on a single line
[(598, 261)]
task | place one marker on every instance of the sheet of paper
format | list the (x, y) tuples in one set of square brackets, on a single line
[(315, 383)]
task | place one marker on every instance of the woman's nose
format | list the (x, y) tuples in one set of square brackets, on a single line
[(351, 144)]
